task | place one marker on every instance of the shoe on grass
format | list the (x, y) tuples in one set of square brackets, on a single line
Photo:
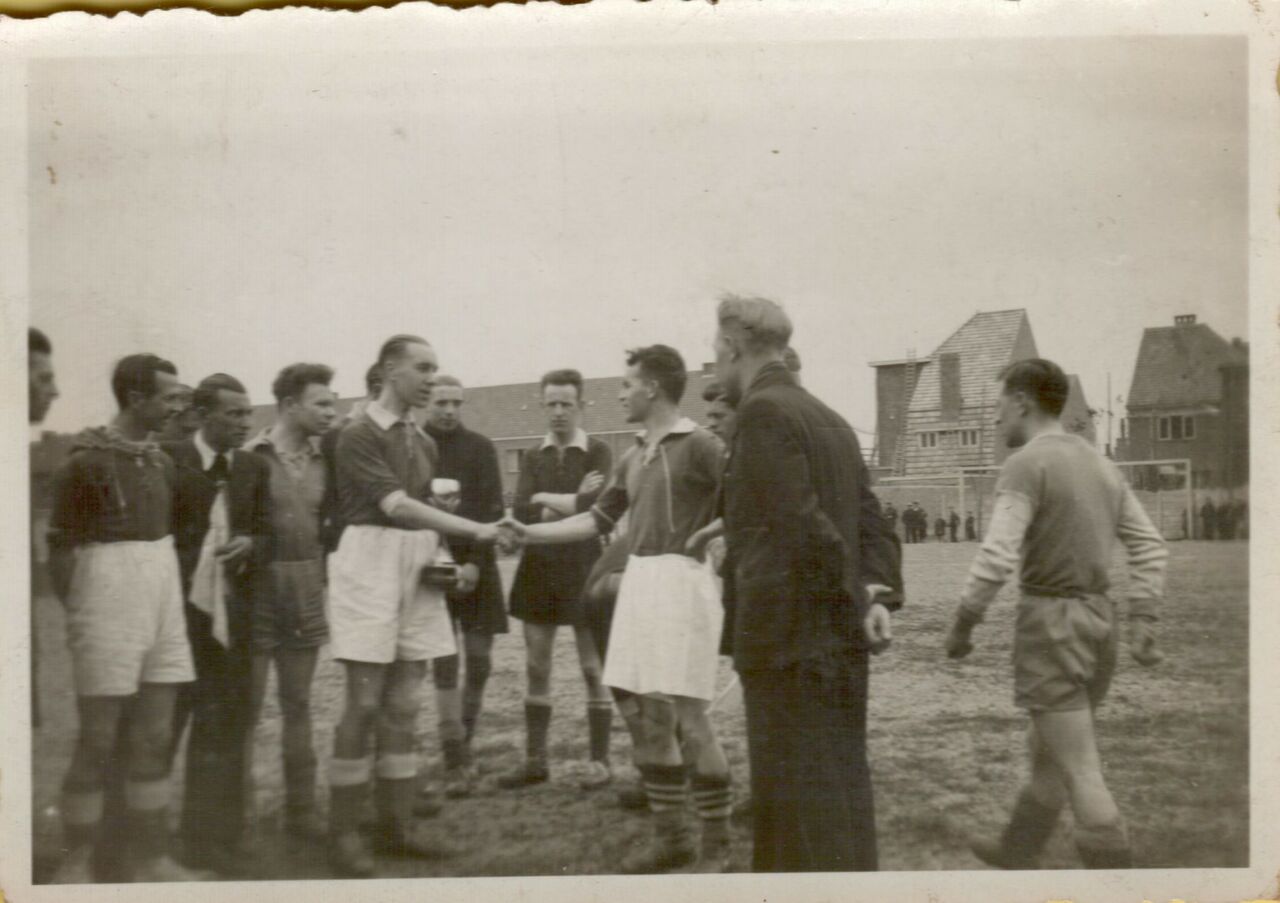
[(595, 775), (528, 774)]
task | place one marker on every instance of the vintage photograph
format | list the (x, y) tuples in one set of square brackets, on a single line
[(620, 457)]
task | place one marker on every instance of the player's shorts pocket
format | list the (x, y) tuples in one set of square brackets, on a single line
[(1078, 630)]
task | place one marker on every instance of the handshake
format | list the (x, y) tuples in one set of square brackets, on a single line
[(508, 535)]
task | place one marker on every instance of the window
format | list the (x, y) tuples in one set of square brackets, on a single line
[(513, 459), (928, 440), (1176, 427), (968, 438)]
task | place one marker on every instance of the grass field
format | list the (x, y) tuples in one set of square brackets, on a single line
[(946, 742)]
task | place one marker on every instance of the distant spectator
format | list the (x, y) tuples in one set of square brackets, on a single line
[(970, 528), (953, 525), (1225, 516), (1209, 519), (891, 515), (940, 529)]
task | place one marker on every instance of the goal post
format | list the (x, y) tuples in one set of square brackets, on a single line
[(1166, 490), (1164, 487)]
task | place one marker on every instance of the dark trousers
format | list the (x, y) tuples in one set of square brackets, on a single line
[(219, 708), (810, 782)]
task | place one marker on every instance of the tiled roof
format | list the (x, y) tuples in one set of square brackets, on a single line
[(986, 344), (513, 411), (1178, 365)]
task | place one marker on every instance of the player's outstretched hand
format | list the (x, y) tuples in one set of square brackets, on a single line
[(511, 535), (1142, 642)]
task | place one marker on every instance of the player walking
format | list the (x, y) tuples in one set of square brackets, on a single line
[(1060, 507)]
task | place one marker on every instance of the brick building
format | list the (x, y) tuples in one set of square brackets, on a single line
[(934, 415), (1189, 398), (511, 415)]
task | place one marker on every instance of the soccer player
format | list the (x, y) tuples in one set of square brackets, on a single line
[(185, 423), (331, 516), (113, 565), (719, 414), (561, 477), (222, 531), (288, 618), (1060, 507), (42, 389), (666, 626), (816, 574), (476, 605), (385, 622)]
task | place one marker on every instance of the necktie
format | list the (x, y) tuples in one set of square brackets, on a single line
[(218, 471)]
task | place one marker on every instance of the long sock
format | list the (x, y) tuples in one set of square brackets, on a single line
[(300, 783), (665, 787), (713, 801), (1030, 825), (452, 734), (145, 804), (1104, 846), (397, 774), (348, 790), (537, 720), (81, 816), (599, 724), (478, 669)]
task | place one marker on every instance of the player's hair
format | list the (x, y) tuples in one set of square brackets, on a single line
[(791, 358), (137, 373), (1041, 380), (446, 379), (761, 324), (662, 364), (564, 377), (713, 391), (373, 379), (293, 380), (38, 342), (205, 397), (394, 347)]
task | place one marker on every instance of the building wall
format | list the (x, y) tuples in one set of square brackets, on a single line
[(1235, 426), (948, 455), (1205, 450), (891, 384)]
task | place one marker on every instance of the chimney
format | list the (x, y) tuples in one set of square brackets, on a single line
[(1184, 320)]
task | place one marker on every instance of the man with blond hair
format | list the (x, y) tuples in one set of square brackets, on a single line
[(816, 574)]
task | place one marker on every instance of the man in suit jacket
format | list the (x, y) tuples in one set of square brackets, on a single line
[(817, 571), (217, 558)]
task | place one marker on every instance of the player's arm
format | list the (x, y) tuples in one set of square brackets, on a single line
[(879, 549), (361, 462), (1148, 557), (994, 564), (73, 505), (599, 521)]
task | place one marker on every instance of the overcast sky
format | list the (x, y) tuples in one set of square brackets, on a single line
[(529, 209)]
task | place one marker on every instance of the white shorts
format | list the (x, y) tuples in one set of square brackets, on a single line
[(379, 612), (665, 636), (125, 623)]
